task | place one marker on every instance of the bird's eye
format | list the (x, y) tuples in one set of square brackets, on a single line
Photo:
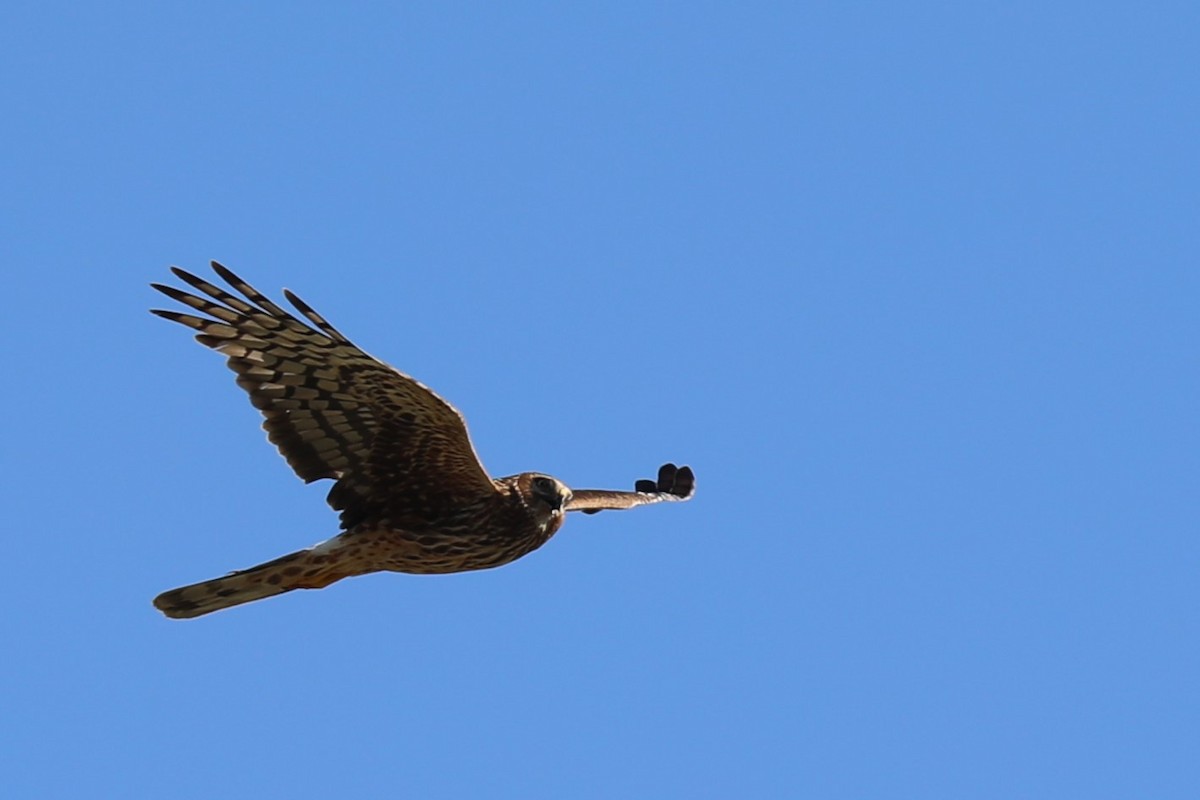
[(543, 484)]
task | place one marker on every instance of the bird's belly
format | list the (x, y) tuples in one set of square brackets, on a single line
[(432, 552)]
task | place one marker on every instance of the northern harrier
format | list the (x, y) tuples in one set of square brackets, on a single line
[(412, 494)]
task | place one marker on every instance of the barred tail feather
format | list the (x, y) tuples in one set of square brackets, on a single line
[(301, 570)]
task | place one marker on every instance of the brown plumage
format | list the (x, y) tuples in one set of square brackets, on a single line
[(412, 493)]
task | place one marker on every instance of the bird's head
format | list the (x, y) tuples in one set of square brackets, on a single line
[(544, 495)]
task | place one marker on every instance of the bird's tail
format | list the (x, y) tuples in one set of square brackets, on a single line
[(306, 569)]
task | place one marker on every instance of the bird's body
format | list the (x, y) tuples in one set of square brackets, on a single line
[(412, 493)]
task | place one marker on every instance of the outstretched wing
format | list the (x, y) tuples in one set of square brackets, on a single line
[(394, 447), (674, 484)]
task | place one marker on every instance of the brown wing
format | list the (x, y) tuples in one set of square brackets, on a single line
[(674, 484), (394, 447)]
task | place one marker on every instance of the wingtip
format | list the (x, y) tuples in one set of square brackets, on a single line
[(685, 480), (679, 482), (225, 272), (173, 293), (296, 301)]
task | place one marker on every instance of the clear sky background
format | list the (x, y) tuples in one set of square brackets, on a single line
[(912, 286)]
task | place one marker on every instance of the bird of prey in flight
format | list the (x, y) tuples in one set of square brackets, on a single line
[(412, 493)]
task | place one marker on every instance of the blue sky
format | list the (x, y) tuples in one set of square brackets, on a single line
[(913, 287)]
